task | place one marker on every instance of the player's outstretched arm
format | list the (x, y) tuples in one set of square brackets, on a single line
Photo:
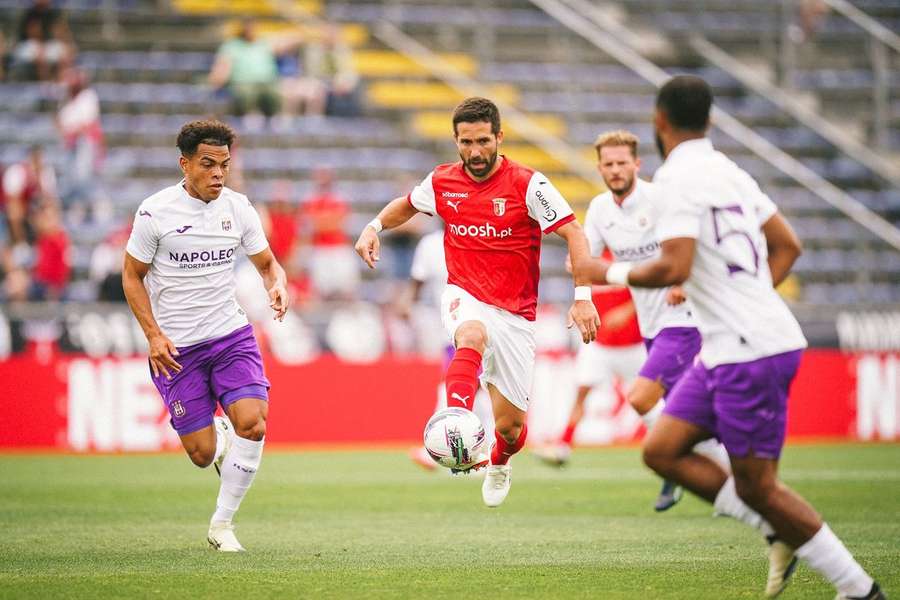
[(162, 350), (582, 313), (397, 212), (784, 247), (672, 267), (275, 281)]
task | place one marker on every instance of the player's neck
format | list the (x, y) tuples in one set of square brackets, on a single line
[(619, 199), (490, 173), (193, 193), (679, 137)]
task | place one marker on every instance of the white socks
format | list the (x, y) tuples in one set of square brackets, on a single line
[(650, 417), (729, 503), (825, 553), (220, 442), (715, 451), (238, 470)]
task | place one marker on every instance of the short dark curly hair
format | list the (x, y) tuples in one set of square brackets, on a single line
[(686, 101), (210, 131), (477, 110)]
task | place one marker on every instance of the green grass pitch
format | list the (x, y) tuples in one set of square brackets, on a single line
[(369, 524)]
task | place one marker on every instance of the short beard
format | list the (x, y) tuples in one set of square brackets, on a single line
[(487, 167), (624, 189)]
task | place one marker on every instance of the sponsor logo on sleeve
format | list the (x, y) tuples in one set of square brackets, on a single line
[(549, 212), (144, 213), (183, 229)]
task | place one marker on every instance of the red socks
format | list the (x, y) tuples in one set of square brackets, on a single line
[(461, 379), (569, 434), (503, 450)]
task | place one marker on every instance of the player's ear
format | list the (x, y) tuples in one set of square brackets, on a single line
[(499, 137), (637, 164), (183, 163)]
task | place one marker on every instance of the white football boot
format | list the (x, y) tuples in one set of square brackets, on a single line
[(496, 485), (223, 428), (782, 563), (221, 537)]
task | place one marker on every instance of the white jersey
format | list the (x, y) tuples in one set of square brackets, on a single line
[(190, 246), (712, 200), (430, 267), (629, 231)]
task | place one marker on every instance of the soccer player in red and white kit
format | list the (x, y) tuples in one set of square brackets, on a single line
[(495, 211)]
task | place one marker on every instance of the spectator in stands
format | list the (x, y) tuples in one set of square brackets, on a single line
[(329, 61), (42, 12), (25, 186), (38, 58), (50, 275), (106, 266), (332, 260), (78, 121), (247, 67)]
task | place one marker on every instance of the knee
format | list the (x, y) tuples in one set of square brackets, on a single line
[(472, 336), (754, 492), (509, 428), (200, 456), (251, 429), (657, 458)]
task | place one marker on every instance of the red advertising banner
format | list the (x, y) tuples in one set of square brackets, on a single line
[(83, 404)]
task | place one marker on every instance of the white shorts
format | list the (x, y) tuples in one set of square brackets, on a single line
[(508, 361), (596, 364)]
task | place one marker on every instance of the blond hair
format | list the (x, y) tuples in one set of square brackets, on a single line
[(620, 137)]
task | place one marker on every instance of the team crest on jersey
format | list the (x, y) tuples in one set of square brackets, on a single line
[(499, 206), (226, 224), (177, 408)]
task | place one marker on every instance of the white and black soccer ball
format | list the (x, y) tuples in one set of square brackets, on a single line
[(454, 438)]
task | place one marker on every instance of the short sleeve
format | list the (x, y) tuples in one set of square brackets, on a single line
[(680, 218), (144, 238), (546, 205), (14, 180), (422, 196), (592, 231), (253, 238)]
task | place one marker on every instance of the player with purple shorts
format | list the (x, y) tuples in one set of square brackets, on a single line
[(624, 219), (179, 282), (725, 240)]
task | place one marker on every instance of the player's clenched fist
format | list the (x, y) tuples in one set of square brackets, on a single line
[(584, 315), (368, 245), (279, 300), (162, 353)]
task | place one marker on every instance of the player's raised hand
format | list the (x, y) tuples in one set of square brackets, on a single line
[(368, 246), (675, 295), (279, 300), (162, 353), (584, 315)]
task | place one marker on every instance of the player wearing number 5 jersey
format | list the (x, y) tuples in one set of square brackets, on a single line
[(724, 239), (495, 212)]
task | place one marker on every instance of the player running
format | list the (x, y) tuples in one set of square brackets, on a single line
[(725, 240), (495, 211), (202, 349)]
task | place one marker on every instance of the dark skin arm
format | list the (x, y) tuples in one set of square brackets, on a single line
[(162, 350), (784, 247)]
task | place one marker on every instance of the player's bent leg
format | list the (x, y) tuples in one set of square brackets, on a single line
[(461, 379), (510, 434), (645, 397), (668, 450)]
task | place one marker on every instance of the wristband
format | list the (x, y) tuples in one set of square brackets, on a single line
[(375, 224), (617, 274), (583, 292)]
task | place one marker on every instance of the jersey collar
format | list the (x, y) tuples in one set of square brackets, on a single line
[(690, 148), (193, 199)]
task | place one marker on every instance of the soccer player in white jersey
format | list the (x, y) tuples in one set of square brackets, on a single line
[(179, 282), (495, 212), (428, 278), (725, 241)]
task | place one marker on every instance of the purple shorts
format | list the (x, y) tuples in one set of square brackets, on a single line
[(743, 404), (222, 370), (670, 354)]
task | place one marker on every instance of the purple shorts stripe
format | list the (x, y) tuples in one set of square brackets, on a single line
[(743, 404), (670, 354), (210, 371)]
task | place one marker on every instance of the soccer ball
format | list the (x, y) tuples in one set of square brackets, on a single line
[(454, 438)]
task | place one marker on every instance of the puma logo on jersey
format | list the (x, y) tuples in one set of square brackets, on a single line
[(183, 229), (454, 205), (462, 399)]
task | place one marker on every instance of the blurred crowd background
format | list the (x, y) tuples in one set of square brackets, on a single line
[(338, 111)]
